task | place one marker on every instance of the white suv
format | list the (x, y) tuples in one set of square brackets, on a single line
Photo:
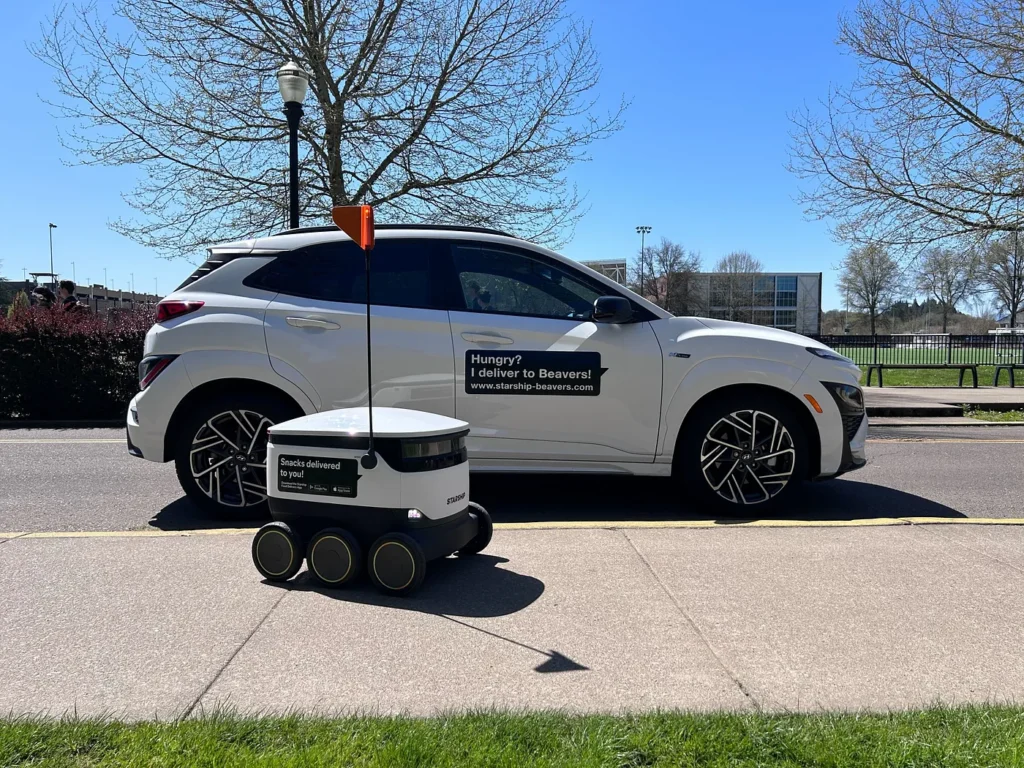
[(555, 367)]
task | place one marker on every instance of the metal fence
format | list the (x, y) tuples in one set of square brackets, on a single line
[(930, 349)]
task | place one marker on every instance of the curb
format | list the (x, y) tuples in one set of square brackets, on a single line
[(561, 525), (938, 422), (58, 424)]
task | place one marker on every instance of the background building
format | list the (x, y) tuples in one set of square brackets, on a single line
[(98, 298), (787, 300)]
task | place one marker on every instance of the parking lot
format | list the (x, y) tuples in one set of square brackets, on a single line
[(597, 594)]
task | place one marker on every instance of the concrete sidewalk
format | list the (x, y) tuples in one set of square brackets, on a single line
[(629, 619), (939, 401)]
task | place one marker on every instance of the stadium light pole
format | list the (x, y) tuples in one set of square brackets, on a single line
[(52, 227), (643, 231), (293, 82)]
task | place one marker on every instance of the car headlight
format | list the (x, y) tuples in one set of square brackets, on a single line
[(827, 354), (847, 396)]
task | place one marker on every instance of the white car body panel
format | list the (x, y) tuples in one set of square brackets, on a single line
[(619, 424), (416, 372)]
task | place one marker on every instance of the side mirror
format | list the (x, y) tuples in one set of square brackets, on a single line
[(612, 309)]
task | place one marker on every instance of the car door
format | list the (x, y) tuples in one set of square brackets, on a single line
[(316, 325), (535, 377)]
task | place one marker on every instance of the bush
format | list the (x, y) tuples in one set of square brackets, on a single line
[(69, 366)]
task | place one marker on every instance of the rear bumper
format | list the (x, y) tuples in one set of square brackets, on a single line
[(437, 538)]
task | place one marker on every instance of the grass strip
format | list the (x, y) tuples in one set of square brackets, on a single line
[(949, 737), (983, 415)]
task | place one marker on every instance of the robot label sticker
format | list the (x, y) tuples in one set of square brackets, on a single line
[(317, 475), (573, 374)]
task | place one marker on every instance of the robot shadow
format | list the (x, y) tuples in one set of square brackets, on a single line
[(472, 587)]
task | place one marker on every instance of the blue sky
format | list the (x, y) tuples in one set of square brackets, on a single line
[(701, 158)]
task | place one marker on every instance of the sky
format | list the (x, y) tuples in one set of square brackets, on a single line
[(701, 158)]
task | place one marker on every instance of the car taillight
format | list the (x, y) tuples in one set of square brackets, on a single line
[(168, 310), (151, 367)]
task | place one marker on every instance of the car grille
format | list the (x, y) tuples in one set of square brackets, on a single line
[(851, 423)]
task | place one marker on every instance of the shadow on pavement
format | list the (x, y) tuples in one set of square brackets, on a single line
[(182, 515), (472, 587), (545, 498), (514, 498)]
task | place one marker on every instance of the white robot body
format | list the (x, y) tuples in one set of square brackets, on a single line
[(408, 506), (421, 463)]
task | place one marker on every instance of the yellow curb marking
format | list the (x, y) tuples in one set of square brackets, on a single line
[(556, 525), (63, 441), (135, 534)]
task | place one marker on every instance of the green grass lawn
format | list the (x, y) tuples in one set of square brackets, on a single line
[(930, 377), (982, 415), (922, 377), (952, 738)]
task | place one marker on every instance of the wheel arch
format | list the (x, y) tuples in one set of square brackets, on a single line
[(216, 388), (788, 399)]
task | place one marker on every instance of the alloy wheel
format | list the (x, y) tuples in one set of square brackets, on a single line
[(228, 458), (747, 457)]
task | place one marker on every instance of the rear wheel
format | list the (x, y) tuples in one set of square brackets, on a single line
[(744, 453), (484, 531), (221, 456)]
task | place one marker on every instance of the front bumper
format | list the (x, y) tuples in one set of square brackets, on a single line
[(854, 454)]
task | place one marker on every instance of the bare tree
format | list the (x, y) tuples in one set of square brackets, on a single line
[(733, 288), (927, 142), (1003, 274), (462, 111), (669, 277), (949, 276), (872, 278)]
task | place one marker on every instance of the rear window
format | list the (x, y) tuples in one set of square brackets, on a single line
[(213, 261), (401, 273)]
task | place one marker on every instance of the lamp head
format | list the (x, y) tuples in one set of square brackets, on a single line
[(293, 83)]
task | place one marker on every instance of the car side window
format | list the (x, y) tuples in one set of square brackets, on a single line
[(400, 272), (511, 282)]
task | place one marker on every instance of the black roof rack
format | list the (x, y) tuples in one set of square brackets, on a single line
[(433, 227)]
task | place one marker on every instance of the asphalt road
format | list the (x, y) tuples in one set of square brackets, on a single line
[(75, 480)]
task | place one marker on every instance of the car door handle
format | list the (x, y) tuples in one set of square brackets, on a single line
[(312, 322), (486, 338)]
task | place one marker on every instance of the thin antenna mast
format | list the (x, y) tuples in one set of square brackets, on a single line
[(356, 221), (369, 461)]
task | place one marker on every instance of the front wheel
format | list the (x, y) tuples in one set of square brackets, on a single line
[(744, 453)]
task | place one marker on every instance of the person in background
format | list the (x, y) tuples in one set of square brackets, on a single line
[(68, 302), (44, 297), (477, 298)]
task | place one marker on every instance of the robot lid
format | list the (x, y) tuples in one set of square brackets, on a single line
[(355, 422)]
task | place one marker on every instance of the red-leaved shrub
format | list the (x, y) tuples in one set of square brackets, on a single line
[(68, 365)]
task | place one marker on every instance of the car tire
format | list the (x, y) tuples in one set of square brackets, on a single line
[(744, 454), (210, 469)]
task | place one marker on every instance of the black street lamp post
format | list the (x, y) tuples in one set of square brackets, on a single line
[(293, 82)]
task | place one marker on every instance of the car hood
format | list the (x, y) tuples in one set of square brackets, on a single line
[(762, 332)]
